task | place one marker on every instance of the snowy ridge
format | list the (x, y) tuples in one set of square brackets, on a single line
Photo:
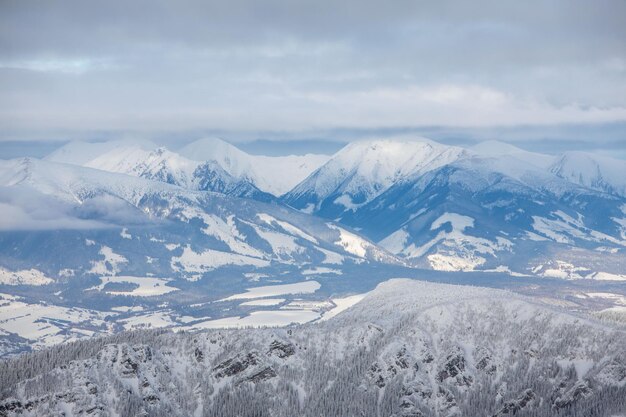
[(195, 166), (163, 165), (73, 183), (507, 206), (275, 175), (408, 348), (147, 164), (363, 170)]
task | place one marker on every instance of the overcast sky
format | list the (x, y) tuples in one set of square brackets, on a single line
[(305, 69)]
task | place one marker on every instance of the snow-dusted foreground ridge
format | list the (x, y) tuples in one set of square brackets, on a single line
[(409, 348)]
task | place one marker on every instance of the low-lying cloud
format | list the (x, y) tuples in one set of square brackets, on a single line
[(25, 209)]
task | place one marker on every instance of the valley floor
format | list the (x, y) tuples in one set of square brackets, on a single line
[(33, 320)]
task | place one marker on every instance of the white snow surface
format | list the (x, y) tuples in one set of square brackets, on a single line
[(224, 230), (395, 242), (44, 324), (454, 250), (287, 227), (457, 221), (264, 302), (342, 304), (607, 276), (209, 259), (148, 286), (110, 265), (350, 242), (321, 270), (24, 277), (305, 287)]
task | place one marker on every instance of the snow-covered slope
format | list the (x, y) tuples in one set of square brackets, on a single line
[(240, 227), (217, 158), (363, 170), (272, 174), (409, 348), (493, 207), (593, 171), (600, 173), (134, 160), (490, 214)]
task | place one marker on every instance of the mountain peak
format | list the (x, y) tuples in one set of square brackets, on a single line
[(362, 170), (397, 151)]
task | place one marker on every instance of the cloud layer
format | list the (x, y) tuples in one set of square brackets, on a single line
[(283, 65)]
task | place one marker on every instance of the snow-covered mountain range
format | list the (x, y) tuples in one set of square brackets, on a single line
[(409, 348), (271, 174), (98, 238), (363, 170), (492, 207), (109, 240), (162, 165)]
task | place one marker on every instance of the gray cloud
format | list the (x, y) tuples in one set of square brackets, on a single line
[(24, 208), (299, 66)]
